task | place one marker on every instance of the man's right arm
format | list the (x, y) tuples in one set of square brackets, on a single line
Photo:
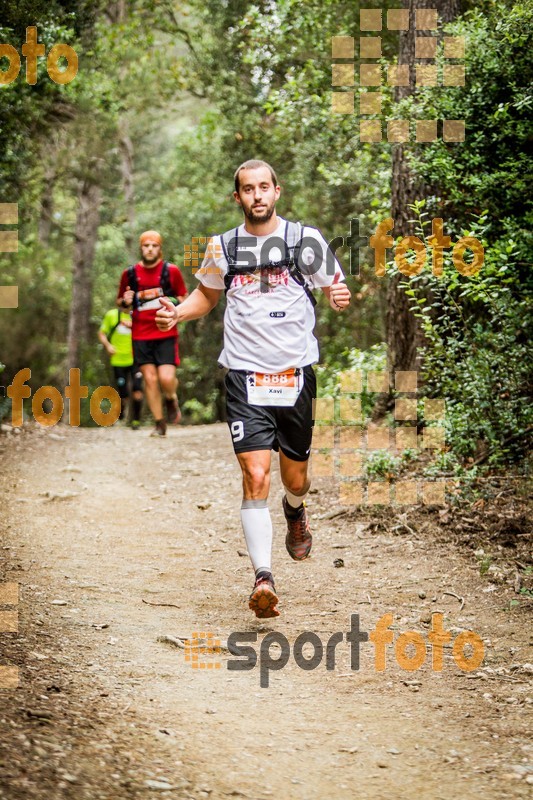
[(125, 294), (198, 304), (105, 341)]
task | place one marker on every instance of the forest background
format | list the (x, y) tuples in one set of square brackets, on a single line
[(170, 97)]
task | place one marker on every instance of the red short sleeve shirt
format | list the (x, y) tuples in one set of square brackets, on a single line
[(148, 281)]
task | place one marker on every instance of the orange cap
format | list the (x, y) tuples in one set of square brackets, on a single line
[(152, 236)]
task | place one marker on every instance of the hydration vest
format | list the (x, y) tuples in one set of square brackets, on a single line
[(115, 326), (164, 282), (292, 239)]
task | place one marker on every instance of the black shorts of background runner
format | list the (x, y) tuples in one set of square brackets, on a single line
[(128, 380), (156, 351), (270, 427)]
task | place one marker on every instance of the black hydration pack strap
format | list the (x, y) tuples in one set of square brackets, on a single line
[(164, 282), (292, 244), (115, 326)]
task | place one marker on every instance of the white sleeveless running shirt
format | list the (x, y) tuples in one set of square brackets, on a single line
[(269, 330)]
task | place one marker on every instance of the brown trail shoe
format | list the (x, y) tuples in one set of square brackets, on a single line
[(263, 600), (160, 428), (298, 540), (173, 411)]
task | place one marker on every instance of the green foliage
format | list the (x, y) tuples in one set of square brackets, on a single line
[(484, 564), (5, 402), (477, 352), (382, 464), (328, 372), (445, 462), (202, 86), (43, 296), (29, 113), (491, 169)]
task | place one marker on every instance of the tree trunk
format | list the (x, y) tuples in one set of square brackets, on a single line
[(126, 168), (404, 335), (87, 221), (117, 12), (47, 205)]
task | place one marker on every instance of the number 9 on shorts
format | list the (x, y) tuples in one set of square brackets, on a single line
[(237, 430)]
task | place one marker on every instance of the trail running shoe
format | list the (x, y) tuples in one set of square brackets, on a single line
[(298, 540), (160, 428), (173, 410), (263, 600), (135, 424)]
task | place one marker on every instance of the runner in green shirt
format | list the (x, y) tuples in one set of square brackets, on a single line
[(115, 335)]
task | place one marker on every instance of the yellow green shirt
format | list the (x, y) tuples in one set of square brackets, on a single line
[(120, 338)]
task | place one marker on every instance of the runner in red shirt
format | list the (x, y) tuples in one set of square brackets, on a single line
[(154, 351)]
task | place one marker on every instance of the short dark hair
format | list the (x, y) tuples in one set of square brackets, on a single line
[(254, 164)]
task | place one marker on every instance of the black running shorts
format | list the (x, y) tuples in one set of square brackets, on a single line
[(127, 380), (270, 427), (156, 351)]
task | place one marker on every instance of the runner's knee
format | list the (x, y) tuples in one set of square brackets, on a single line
[(150, 377), (256, 479), (297, 484)]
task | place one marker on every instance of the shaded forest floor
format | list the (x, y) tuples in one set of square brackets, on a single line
[(117, 539)]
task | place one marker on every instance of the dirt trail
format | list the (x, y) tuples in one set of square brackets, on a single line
[(103, 520)]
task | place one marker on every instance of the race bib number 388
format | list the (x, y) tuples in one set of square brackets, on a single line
[(275, 388)]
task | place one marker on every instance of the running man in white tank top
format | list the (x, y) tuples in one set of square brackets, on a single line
[(268, 268)]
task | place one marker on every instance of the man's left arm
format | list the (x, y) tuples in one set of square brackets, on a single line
[(329, 276)]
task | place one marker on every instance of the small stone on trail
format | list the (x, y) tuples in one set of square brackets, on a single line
[(39, 714), (160, 785), (59, 495), (203, 506), (422, 595), (59, 603), (338, 562), (242, 553)]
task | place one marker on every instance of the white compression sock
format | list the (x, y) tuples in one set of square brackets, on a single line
[(295, 501), (257, 527)]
